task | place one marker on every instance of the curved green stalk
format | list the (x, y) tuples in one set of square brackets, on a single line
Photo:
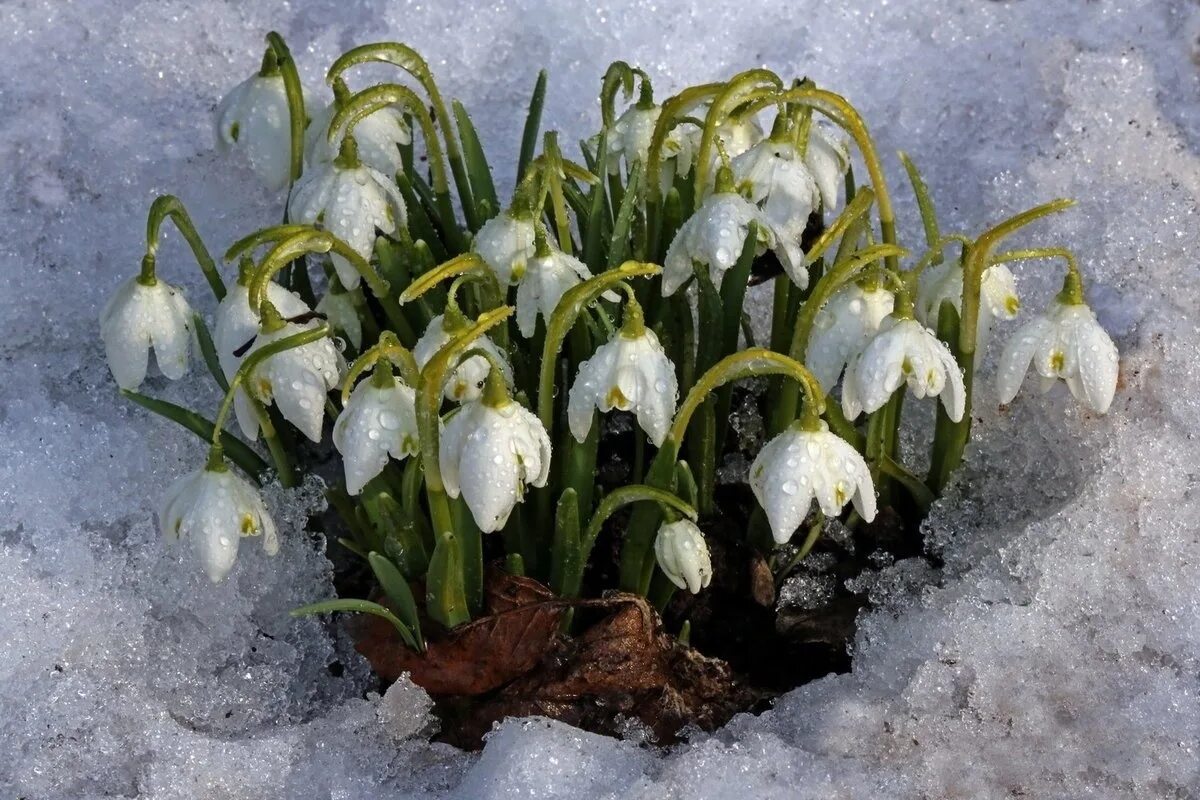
[(388, 348), (297, 119), (271, 235), (168, 206), (748, 85)]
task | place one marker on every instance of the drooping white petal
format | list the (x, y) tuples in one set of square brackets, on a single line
[(506, 244), (843, 327), (466, 380), (139, 318), (378, 136), (682, 555), (544, 284), (628, 374), (254, 119), (827, 161), (376, 423), (903, 351), (944, 284), (297, 380), (339, 309)]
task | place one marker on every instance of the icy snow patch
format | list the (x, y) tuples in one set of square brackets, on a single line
[(1055, 655)]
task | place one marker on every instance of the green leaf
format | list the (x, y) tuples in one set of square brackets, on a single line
[(533, 123), (924, 203), (420, 221), (238, 451), (597, 216), (396, 588), (360, 607), (209, 351), (618, 245), (565, 566), (445, 597), (483, 189)]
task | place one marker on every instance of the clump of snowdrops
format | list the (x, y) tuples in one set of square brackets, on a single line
[(467, 355)]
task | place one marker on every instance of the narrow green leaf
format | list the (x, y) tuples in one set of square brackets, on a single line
[(360, 607), (533, 124), (419, 221), (209, 351), (619, 244), (445, 597), (565, 567), (597, 215), (483, 189), (237, 450), (919, 491), (396, 588), (924, 203)]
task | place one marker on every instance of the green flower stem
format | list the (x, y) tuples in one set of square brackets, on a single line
[(410, 61), (369, 101), (297, 119), (565, 315), (748, 85), (389, 350), (843, 228), (620, 77), (950, 445), (554, 180), (462, 265), (429, 405), (1072, 292), (168, 206), (842, 113), (673, 110), (247, 367), (445, 594), (272, 236)]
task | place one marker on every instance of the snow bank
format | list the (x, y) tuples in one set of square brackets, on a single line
[(1057, 653)]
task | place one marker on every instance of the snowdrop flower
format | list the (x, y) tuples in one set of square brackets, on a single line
[(255, 119), (351, 201), (827, 159), (339, 308), (630, 372), (146, 313), (735, 135), (550, 274), (799, 466), (997, 296), (843, 327), (379, 136), (236, 325), (490, 450), (213, 509), (297, 380), (774, 177), (1066, 342), (713, 237), (630, 140), (466, 382), (506, 243), (683, 556), (903, 351), (380, 420)]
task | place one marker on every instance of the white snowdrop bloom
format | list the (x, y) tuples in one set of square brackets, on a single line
[(799, 466), (713, 237), (377, 422), (297, 380), (827, 159), (628, 373), (506, 243), (735, 136), (774, 177), (236, 325), (466, 382), (379, 136), (254, 119), (630, 140), (903, 351), (682, 555), (339, 309), (140, 317), (843, 327), (997, 296), (1066, 342), (547, 279), (213, 509), (352, 203), (490, 454)]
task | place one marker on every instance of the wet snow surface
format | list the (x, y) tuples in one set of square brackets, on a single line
[(1057, 653)]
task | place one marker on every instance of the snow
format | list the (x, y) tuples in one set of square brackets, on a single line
[(1056, 654)]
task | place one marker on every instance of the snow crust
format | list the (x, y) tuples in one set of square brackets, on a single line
[(1056, 654)]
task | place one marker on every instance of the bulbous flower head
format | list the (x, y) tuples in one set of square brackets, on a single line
[(775, 178), (141, 317), (713, 237), (1065, 343), (843, 327), (628, 373), (799, 466), (998, 297), (506, 244), (683, 556), (352, 203), (546, 281), (489, 455), (213, 510), (736, 135), (466, 381), (827, 160), (903, 352), (380, 135), (236, 325), (377, 422), (630, 141), (299, 379), (254, 119)]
